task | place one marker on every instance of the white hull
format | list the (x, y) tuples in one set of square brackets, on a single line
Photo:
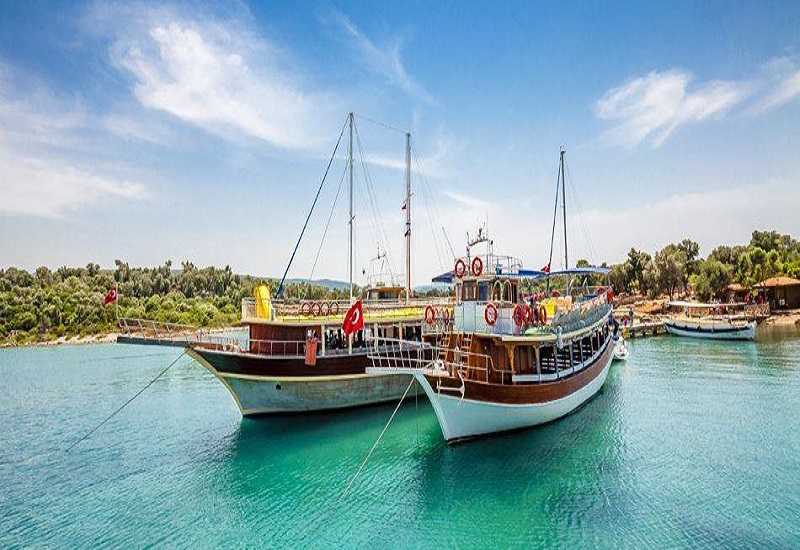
[(260, 395), (718, 333), (463, 418)]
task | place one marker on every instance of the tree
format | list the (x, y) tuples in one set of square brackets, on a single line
[(711, 280)]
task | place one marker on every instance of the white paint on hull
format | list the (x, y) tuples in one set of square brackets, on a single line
[(463, 418), (745, 333), (256, 395)]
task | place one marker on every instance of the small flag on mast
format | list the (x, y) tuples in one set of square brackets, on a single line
[(111, 297), (546, 269), (403, 207)]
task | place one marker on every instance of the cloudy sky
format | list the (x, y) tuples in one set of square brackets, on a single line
[(147, 131)]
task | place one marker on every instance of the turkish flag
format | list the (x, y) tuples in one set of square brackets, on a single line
[(111, 297), (546, 269), (354, 320)]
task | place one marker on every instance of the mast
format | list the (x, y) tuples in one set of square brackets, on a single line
[(408, 217), (350, 223), (564, 208)]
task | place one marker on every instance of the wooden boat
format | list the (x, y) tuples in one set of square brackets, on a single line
[(508, 363), (295, 356), (711, 321)]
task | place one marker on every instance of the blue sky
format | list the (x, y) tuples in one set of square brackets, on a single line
[(147, 131)]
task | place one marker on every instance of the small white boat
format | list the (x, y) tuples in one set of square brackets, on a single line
[(711, 321), (621, 351)]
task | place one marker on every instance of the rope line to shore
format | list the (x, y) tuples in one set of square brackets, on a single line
[(374, 445), (128, 402)]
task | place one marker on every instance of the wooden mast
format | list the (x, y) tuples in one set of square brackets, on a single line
[(408, 217)]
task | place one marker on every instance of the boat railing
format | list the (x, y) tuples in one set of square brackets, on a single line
[(244, 344), (336, 309), (157, 330), (393, 354)]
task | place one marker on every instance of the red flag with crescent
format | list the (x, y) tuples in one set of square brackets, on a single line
[(354, 320), (111, 297), (546, 269)]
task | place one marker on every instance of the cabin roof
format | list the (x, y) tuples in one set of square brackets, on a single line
[(736, 287), (773, 282)]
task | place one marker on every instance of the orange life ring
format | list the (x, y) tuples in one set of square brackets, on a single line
[(527, 316), (460, 269), (542, 315), (490, 314), (305, 311), (430, 315), (477, 266), (518, 315)]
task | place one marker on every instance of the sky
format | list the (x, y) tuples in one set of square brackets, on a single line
[(201, 132)]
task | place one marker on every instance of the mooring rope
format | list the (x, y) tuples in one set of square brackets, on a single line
[(374, 445), (128, 402)]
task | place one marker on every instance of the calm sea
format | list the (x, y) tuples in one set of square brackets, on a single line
[(690, 444)]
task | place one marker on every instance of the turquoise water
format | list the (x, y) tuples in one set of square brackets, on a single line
[(690, 444)]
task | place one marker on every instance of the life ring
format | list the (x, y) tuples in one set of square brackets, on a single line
[(305, 311), (527, 315), (542, 315), (490, 314), (556, 294), (460, 269), (477, 266), (430, 315), (316, 309), (518, 315), (600, 290), (334, 308), (326, 308)]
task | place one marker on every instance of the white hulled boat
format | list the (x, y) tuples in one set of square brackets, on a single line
[(508, 363), (711, 321)]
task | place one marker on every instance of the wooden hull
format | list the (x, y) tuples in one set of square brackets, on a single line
[(494, 408), (264, 385), (728, 332)]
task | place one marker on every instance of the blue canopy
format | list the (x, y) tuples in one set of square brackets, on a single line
[(582, 271), (448, 277)]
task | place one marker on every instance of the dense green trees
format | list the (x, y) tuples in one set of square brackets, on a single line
[(677, 268), (69, 301)]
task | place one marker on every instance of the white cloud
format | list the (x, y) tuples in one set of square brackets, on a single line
[(783, 77), (216, 75), (722, 216), (50, 189), (652, 107), (38, 135), (382, 60)]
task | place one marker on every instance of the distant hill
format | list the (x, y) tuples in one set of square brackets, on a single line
[(330, 284)]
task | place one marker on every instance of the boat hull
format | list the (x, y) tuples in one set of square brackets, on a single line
[(718, 333), (465, 418), (286, 393)]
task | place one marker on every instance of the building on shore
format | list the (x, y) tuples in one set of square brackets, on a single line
[(737, 293), (781, 292)]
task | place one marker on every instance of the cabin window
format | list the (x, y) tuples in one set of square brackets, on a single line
[(483, 292)]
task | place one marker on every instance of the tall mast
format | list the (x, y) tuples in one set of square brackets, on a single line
[(408, 217), (350, 223), (564, 207)]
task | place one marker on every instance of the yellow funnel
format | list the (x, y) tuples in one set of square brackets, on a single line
[(263, 301)]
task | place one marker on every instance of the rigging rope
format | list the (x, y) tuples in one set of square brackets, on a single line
[(382, 124), (579, 209), (429, 198), (325, 233), (305, 225), (374, 445), (128, 402), (553, 232)]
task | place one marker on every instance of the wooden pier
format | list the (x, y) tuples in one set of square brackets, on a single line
[(638, 330)]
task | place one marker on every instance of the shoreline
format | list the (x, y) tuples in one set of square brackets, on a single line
[(101, 338)]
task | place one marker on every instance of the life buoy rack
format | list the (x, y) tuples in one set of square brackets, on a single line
[(518, 315), (490, 314), (430, 315), (460, 268), (477, 266), (305, 309), (542, 315), (527, 315)]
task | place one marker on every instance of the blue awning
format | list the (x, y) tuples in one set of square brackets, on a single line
[(582, 271), (448, 277)]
